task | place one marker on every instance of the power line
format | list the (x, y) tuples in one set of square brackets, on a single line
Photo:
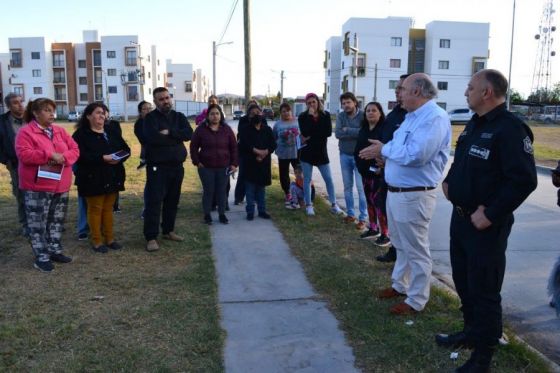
[(232, 11)]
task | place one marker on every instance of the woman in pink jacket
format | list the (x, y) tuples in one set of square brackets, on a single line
[(46, 154)]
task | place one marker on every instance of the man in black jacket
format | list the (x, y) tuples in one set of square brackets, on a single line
[(10, 123), (165, 132), (493, 172)]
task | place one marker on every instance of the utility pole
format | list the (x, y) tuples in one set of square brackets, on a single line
[(247, 41), (214, 67), (375, 83), (508, 100), (282, 86)]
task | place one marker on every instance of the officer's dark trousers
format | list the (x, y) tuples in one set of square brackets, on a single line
[(239, 195), (478, 262), (163, 189)]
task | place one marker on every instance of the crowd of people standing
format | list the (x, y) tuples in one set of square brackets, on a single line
[(395, 161)]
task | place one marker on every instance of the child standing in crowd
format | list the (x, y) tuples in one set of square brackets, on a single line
[(286, 132)]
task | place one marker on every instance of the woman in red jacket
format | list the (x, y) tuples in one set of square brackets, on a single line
[(214, 151), (46, 154)]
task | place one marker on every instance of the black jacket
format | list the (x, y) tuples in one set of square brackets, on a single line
[(93, 175), (364, 135), (7, 141), (166, 149), (392, 123), (139, 130), (315, 152), (493, 164), (257, 172)]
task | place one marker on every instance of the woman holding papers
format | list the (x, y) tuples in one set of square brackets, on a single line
[(100, 173), (46, 153)]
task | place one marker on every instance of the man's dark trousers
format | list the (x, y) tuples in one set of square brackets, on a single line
[(163, 187), (478, 260)]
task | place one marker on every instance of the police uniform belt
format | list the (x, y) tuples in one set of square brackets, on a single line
[(410, 189)]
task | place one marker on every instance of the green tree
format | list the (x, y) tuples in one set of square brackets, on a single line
[(516, 97)]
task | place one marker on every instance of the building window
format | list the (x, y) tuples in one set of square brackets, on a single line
[(442, 86), (97, 57), (149, 75), (112, 89), (58, 59), (396, 41), (132, 93), (130, 57), (82, 64), (393, 84), (158, 64), (344, 85), (112, 72), (444, 43), (98, 93), (391, 105), (59, 77), (479, 63), (111, 54), (395, 63), (60, 93), (35, 55), (149, 91), (82, 80), (15, 58), (443, 65), (442, 105), (158, 77), (98, 77), (37, 90), (346, 43), (132, 76), (188, 87), (83, 97), (170, 75), (361, 64), (36, 73)]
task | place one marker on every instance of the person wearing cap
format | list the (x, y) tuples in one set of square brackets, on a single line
[(315, 127)]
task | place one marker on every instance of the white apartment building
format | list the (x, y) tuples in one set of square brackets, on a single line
[(112, 70), (332, 62), (201, 86), (179, 80), (388, 48)]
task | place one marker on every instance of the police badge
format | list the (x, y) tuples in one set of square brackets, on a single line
[(527, 145)]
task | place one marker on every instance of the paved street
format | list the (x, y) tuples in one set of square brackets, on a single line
[(533, 248)]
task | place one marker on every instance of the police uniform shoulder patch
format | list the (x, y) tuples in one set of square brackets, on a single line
[(527, 145)]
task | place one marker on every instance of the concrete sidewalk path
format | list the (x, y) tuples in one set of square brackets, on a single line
[(275, 322)]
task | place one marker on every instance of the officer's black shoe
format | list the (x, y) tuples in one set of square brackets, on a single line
[(389, 257), (455, 340), (479, 362)]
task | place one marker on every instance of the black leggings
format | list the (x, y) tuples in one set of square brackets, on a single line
[(284, 168)]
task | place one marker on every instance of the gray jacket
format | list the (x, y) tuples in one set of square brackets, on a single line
[(346, 131)]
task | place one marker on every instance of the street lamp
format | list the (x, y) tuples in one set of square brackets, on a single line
[(214, 49)]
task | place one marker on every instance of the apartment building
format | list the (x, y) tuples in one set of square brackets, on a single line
[(332, 62), (378, 51), (201, 86), (116, 70), (179, 80)]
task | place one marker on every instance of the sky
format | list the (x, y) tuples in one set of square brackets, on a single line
[(287, 35)]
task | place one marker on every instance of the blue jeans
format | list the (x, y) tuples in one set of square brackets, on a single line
[(254, 193), (325, 171), (83, 227), (349, 173)]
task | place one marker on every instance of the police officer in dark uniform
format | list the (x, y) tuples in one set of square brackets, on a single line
[(492, 174), (391, 124)]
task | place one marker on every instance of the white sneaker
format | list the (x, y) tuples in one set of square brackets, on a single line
[(310, 211), (336, 210)]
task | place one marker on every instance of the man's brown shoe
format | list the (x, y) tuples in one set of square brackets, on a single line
[(402, 309), (172, 236), (152, 245), (389, 293), (349, 219)]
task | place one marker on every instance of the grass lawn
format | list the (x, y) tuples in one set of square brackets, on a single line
[(342, 268), (128, 311)]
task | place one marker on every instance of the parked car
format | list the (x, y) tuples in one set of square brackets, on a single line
[(115, 116), (460, 115), (268, 113), (73, 116), (237, 114)]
